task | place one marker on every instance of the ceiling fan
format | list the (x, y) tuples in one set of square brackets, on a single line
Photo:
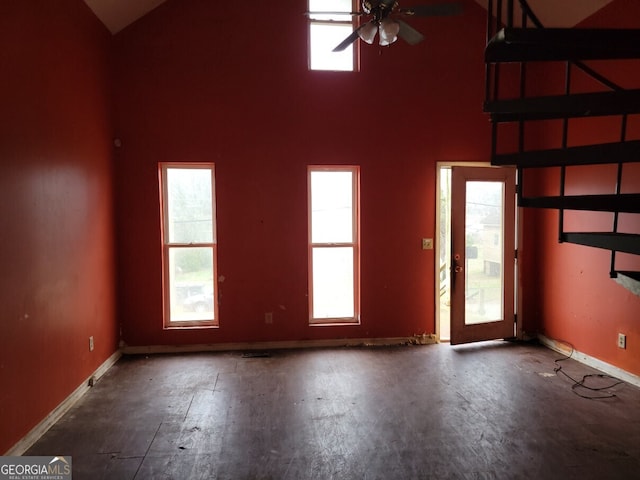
[(386, 22)]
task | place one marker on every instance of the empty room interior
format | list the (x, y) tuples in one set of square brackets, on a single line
[(229, 251)]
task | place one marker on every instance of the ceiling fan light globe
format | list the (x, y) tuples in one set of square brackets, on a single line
[(389, 30), (385, 43), (368, 32)]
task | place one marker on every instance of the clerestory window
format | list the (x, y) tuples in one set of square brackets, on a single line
[(326, 31)]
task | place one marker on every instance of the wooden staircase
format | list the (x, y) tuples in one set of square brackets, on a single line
[(507, 43)]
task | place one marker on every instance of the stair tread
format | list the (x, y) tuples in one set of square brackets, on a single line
[(620, 242), (624, 202), (600, 154), (555, 44), (564, 106), (634, 275)]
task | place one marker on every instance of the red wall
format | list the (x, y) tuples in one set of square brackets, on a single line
[(196, 81), (210, 81), (577, 301), (56, 247)]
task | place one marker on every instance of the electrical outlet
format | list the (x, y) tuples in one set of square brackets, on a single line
[(91, 344), (268, 318), (622, 340), (427, 243)]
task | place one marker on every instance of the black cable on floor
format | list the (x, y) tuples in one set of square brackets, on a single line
[(578, 385)]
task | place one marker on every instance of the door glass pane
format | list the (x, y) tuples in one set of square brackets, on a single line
[(191, 283), (331, 207), (189, 209), (333, 288), (484, 252)]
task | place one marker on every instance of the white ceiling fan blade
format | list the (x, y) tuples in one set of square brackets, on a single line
[(409, 34)]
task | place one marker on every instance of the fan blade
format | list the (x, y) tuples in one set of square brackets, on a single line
[(349, 40), (409, 34), (434, 10)]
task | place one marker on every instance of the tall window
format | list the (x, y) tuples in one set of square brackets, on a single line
[(189, 244), (334, 251), (326, 31)]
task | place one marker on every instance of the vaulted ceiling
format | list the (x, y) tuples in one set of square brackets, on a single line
[(559, 13), (117, 14)]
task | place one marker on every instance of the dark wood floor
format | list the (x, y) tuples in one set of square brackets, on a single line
[(491, 411)]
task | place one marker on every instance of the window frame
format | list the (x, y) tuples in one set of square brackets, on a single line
[(167, 246), (353, 23), (355, 244)]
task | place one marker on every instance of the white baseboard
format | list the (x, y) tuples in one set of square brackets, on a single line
[(56, 414), (592, 362), (425, 339)]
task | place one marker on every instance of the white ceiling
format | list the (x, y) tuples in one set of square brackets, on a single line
[(117, 14)]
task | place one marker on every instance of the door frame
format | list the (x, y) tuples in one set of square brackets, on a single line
[(437, 245)]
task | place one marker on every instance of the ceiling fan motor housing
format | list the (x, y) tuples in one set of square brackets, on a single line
[(380, 9)]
